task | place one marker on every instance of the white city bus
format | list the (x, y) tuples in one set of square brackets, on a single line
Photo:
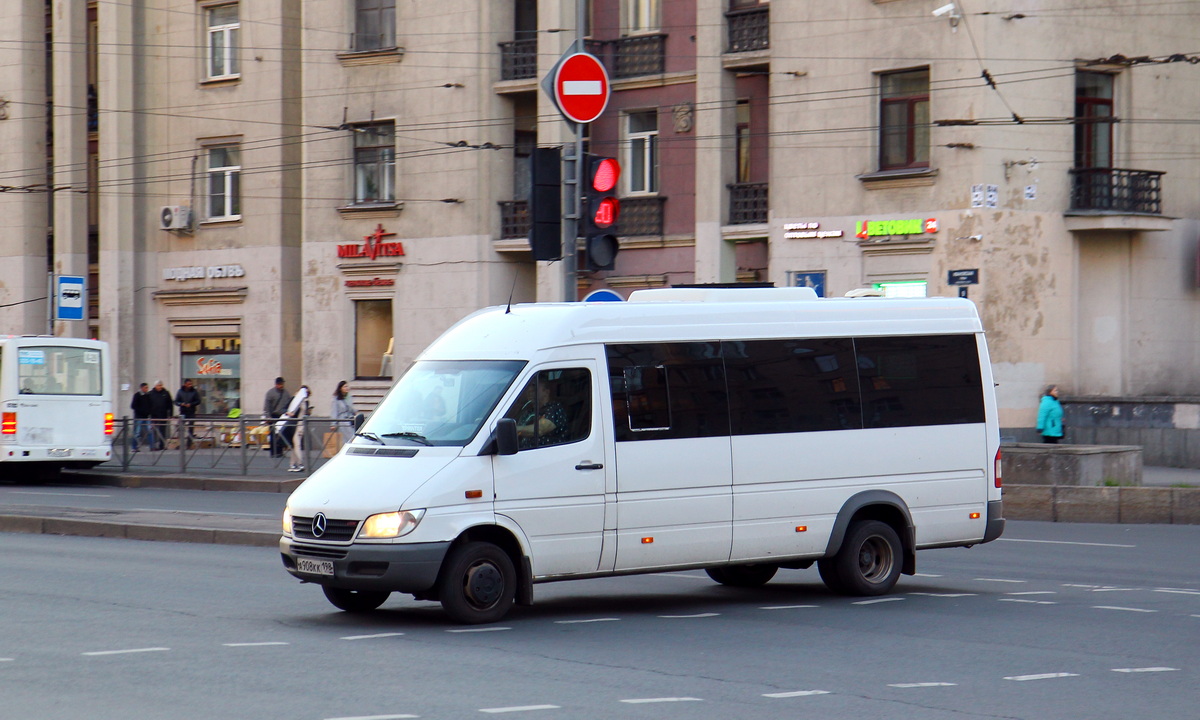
[(55, 403), (736, 431)]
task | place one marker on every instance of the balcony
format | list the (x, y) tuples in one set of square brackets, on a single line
[(747, 203), (631, 56), (1116, 199), (641, 216), (749, 29), (514, 219), (518, 59)]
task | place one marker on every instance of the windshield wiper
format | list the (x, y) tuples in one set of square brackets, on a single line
[(409, 436), (370, 436)]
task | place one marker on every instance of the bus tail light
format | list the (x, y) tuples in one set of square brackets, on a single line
[(8, 425), (108, 423), (998, 483)]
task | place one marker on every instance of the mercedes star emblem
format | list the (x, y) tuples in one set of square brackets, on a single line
[(320, 524)]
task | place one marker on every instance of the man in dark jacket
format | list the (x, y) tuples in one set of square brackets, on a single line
[(275, 404), (161, 410), (141, 417), (187, 399)]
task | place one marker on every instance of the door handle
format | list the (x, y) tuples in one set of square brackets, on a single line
[(589, 466)]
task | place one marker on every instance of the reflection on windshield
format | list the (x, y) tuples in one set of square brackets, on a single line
[(441, 402)]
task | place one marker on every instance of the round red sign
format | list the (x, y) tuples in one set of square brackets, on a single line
[(581, 87)]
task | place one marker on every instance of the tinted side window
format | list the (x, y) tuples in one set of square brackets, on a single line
[(667, 390), (908, 381), (781, 386), (554, 408)]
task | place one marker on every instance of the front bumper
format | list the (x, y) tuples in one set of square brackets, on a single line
[(407, 568)]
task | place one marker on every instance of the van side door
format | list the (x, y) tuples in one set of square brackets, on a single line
[(553, 488)]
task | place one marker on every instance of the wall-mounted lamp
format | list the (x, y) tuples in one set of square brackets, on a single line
[(951, 10)]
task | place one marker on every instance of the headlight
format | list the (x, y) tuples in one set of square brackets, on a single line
[(390, 525), (287, 520)]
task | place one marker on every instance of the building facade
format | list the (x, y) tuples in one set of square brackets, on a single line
[(318, 189)]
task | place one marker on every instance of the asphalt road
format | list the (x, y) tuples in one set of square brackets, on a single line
[(1052, 621)]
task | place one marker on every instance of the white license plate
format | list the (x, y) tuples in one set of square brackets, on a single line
[(314, 567), (58, 452)]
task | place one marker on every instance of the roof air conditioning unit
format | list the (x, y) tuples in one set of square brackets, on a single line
[(175, 217)]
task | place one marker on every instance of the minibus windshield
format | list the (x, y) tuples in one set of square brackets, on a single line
[(441, 402)]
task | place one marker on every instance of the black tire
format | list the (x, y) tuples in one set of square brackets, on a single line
[(355, 601), (829, 574), (478, 583), (743, 575), (869, 561)]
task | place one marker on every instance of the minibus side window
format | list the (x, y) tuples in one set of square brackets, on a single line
[(554, 408), (913, 381), (784, 386), (668, 391)]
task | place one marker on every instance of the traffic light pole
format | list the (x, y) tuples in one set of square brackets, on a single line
[(573, 202)]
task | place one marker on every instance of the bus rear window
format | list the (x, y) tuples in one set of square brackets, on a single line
[(48, 370)]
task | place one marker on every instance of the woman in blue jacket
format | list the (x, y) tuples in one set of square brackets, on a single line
[(1050, 416)]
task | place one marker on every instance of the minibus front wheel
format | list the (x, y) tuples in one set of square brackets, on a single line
[(478, 583)]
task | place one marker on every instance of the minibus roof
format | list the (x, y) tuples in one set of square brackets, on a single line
[(696, 314)]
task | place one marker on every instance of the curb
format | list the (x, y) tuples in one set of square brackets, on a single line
[(188, 482), (128, 531), (1069, 503)]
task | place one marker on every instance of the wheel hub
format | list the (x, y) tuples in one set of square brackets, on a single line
[(484, 584)]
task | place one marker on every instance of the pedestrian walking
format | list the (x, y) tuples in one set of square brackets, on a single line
[(274, 406), (342, 409), (187, 399), (1050, 416), (162, 409), (141, 418), (293, 418)]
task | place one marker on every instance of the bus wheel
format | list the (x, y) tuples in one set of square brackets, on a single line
[(743, 575), (478, 583), (868, 562), (355, 601)]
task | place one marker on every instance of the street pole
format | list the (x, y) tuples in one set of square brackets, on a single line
[(573, 174)]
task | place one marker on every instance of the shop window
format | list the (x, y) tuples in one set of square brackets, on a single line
[(214, 365), (374, 25), (373, 339), (224, 183), (375, 163), (904, 120), (222, 47)]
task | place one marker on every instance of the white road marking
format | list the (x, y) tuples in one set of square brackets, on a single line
[(1066, 542), (683, 575), (478, 630), (925, 575), (6, 660), (797, 693), (1028, 602), (371, 637), (1177, 592), (1114, 589), (643, 701), (377, 717), (1032, 592), (685, 617), (580, 622), (944, 595), (1125, 609), (1145, 669), (125, 652), (57, 494), (1042, 676), (253, 644), (922, 685), (518, 708), (176, 511), (877, 600), (787, 607), (1001, 580)]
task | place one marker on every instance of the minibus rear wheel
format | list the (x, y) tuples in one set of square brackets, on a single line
[(868, 563), (478, 583), (355, 601), (743, 575)]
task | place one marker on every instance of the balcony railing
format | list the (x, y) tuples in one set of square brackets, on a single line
[(641, 216), (518, 59), (631, 56), (514, 219), (749, 29), (747, 203), (1117, 190)]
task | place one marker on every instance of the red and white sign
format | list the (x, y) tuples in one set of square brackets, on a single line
[(581, 88)]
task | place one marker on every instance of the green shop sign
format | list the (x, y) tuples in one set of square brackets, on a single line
[(864, 229)]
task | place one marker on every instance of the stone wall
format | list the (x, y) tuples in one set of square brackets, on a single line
[(1055, 503), (1072, 465)]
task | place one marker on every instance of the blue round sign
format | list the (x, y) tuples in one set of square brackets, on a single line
[(603, 295)]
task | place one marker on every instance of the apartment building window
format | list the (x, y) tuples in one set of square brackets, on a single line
[(222, 48), (1093, 120), (743, 141), (904, 120), (375, 163), (372, 339), (374, 24), (224, 182), (641, 16), (641, 163)]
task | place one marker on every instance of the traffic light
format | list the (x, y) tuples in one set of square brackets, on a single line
[(600, 211), (545, 205)]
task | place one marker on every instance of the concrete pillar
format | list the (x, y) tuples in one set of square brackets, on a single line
[(121, 216), (70, 151), (23, 124), (716, 112)]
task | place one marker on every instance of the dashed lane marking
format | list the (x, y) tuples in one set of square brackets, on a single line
[(930, 575), (377, 717), (646, 701), (518, 708), (589, 620), (1001, 580), (253, 644), (944, 595), (787, 607), (1124, 609), (478, 630), (1145, 670), (1032, 592), (686, 617), (877, 600), (1042, 676), (1177, 591), (922, 684), (796, 693), (1067, 542), (1027, 602), (371, 637), (130, 651)]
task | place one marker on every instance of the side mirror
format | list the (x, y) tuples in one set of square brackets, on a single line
[(506, 436), (359, 419)]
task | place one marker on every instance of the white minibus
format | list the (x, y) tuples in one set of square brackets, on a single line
[(735, 430), (55, 403)]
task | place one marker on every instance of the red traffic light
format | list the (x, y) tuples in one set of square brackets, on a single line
[(604, 174), (606, 212)]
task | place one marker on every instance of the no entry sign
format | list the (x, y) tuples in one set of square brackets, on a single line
[(581, 87)]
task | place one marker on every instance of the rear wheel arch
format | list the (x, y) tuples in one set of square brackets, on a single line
[(884, 506)]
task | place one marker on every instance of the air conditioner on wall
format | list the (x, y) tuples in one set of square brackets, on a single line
[(175, 217)]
